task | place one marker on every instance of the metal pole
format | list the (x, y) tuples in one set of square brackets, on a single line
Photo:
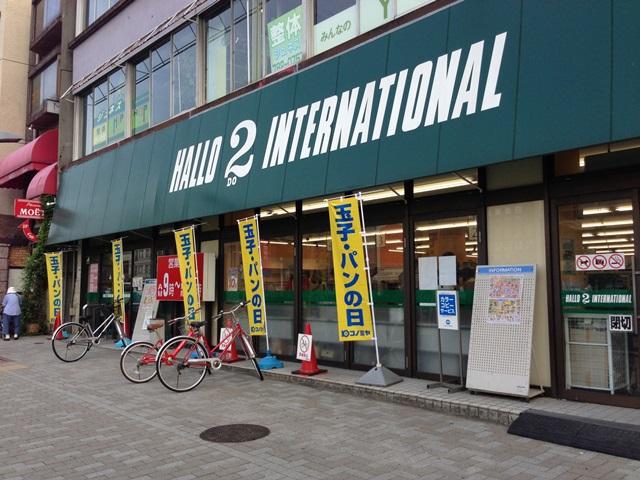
[(195, 262), (633, 287), (440, 355), (266, 323), (460, 346), (366, 255)]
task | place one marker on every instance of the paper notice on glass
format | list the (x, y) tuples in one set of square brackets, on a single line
[(427, 275), (447, 271)]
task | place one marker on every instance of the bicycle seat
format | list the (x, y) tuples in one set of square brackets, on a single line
[(197, 324), (154, 326)]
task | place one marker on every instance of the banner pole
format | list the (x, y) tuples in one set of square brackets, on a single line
[(378, 376), (195, 263), (266, 320), (366, 256)]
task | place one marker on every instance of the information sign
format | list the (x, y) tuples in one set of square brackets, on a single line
[(621, 323), (448, 309)]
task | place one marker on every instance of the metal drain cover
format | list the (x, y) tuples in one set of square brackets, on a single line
[(235, 433)]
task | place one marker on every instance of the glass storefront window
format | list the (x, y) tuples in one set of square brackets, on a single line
[(451, 237), (278, 269), (284, 35), (277, 211), (598, 358), (334, 22), (450, 182), (219, 55), (319, 296), (384, 245), (183, 78)]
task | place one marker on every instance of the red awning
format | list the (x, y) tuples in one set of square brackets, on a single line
[(44, 183), (17, 167)]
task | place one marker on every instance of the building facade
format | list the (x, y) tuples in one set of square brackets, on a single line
[(498, 132), (15, 16)]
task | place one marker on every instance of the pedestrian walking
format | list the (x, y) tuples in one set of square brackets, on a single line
[(11, 313)]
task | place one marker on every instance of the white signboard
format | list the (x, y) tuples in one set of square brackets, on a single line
[(590, 262), (502, 329), (621, 323), (447, 304), (147, 310), (305, 344)]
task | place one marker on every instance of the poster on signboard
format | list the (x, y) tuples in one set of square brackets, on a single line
[(147, 311), (502, 329), (505, 297)]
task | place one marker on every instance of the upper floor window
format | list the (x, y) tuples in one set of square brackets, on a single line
[(96, 8), (284, 35), (165, 81), (46, 12), (104, 112), (336, 21), (44, 86)]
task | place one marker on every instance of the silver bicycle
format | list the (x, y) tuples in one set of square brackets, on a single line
[(71, 341)]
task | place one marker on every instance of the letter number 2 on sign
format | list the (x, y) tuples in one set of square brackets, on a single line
[(240, 170)]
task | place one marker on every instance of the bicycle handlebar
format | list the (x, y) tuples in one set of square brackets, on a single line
[(222, 313)]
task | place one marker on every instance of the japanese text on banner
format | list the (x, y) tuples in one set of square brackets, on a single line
[(118, 278), (352, 289), (252, 268), (186, 248), (54, 276)]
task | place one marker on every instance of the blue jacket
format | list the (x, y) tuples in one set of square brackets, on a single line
[(11, 304)]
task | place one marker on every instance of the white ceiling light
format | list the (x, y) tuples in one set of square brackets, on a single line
[(443, 226), (612, 233), (596, 211), (608, 223)]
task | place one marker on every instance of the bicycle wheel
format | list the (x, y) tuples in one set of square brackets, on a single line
[(70, 342), (250, 353), (138, 362), (178, 365)]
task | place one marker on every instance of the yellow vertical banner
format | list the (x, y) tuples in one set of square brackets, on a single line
[(186, 248), (351, 279), (252, 269), (54, 277), (118, 278)]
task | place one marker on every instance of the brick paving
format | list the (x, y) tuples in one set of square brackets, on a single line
[(413, 391), (84, 420)]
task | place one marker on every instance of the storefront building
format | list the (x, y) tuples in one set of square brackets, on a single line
[(498, 132)]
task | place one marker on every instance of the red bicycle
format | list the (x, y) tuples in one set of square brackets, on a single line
[(138, 360), (183, 361)]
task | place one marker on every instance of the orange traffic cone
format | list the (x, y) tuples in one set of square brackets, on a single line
[(230, 355), (309, 367), (55, 326)]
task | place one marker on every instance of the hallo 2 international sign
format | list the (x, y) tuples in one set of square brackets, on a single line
[(28, 209)]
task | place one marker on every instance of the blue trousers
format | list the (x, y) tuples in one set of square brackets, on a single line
[(7, 320)]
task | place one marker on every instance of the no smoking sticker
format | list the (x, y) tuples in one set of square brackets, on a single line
[(305, 343), (600, 262)]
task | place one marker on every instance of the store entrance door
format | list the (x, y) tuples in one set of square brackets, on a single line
[(596, 246)]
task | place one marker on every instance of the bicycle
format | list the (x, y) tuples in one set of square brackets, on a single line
[(72, 340), (186, 360), (138, 360)]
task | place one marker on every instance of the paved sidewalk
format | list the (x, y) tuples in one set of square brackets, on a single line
[(414, 392), (84, 420)]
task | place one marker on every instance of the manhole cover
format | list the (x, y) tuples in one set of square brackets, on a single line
[(239, 432)]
